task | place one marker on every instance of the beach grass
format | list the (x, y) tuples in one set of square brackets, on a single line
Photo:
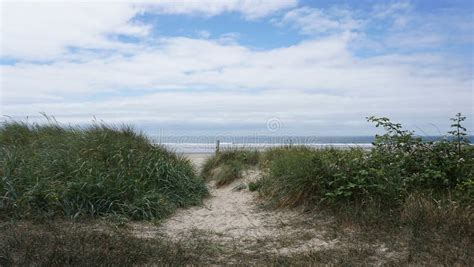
[(49, 170), (411, 198), (227, 165)]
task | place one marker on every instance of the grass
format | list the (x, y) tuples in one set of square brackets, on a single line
[(97, 244), (56, 243), (51, 170), (426, 223), (424, 189), (304, 176), (413, 197), (227, 165)]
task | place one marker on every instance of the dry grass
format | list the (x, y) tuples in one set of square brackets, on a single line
[(93, 243)]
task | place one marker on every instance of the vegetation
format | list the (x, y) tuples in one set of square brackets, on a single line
[(92, 244), (227, 165), (405, 190), (405, 201), (49, 170), (399, 165)]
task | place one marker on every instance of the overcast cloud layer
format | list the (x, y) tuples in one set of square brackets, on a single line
[(327, 68)]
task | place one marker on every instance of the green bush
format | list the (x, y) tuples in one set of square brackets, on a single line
[(399, 164), (50, 170), (308, 176)]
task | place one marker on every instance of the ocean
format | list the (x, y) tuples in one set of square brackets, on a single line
[(207, 144)]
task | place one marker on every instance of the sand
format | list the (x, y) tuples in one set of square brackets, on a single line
[(235, 216), (198, 159)]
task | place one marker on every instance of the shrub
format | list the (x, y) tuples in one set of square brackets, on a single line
[(399, 164), (308, 176), (51, 170)]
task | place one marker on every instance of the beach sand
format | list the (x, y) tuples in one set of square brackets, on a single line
[(233, 219), (232, 216), (198, 159)]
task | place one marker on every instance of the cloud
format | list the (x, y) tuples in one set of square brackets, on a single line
[(442, 29), (203, 34), (41, 31), (250, 9), (311, 86), (184, 80), (44, 30), (311, 21), (394, 26), (391, 9)]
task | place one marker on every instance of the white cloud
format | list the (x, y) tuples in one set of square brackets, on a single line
[(203, 34), (440, 29), (185, 80), (251, 9), (391, 9), (43, 30), (310, 84), (312, 21)]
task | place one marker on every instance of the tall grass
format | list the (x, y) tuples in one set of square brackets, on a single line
[(52, 170), (305, 176), (227, 165)]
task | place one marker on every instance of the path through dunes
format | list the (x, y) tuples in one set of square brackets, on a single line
[(232, 214), (233, 219)]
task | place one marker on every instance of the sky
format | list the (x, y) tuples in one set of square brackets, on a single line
[(241, 67)]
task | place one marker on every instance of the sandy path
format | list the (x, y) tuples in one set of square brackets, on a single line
[(231, 215), (234, 221), (197, 159)]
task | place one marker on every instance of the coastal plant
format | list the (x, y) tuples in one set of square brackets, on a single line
[(227, 165), (53, 170), (399, 164)]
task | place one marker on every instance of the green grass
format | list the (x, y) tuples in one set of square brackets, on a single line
[(415, 197), (227, 165), (404, 184), (50, 170), (303, 176)]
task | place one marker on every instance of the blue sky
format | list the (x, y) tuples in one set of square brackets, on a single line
[(230, 67)]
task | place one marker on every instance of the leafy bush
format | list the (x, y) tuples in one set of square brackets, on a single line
[(307, 176), (50, 170), (399, 164), (418, 165)]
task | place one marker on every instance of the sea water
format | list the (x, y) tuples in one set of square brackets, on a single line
[(207, 144)]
